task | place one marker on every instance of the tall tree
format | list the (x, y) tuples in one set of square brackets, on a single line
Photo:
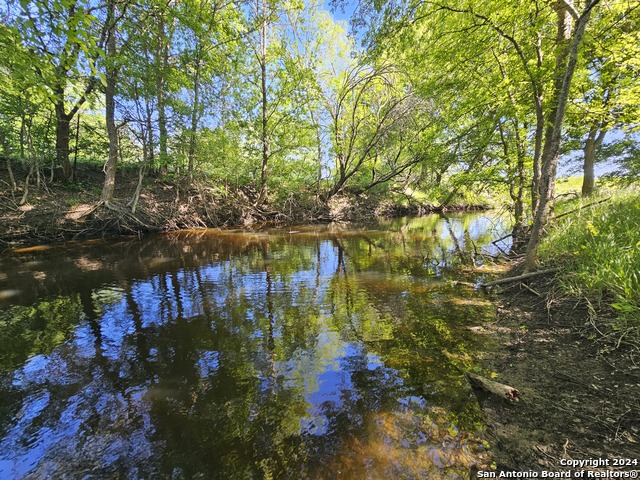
[(262, 14), (372, 128), (605, 85), (568, 42), (22, 97), (111, 73), (211, 38), (277, 91)]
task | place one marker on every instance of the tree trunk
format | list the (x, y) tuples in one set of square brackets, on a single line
[(150, 139), (147, 158), (62, 139), (503, 391), (22, 135), (265, 114), (341, 159), (141, 174), (162, 128), (594, 140), (515, 176), (7, 154), (343, 177), (518, 201), (25, 194), (518, 233), (194, 116), (319, 140), (33, 155), (538, 98), (566, 59), (524, 276), (12, 178), (588, 180), (161, 80), (145, 97), (75, 153), (537, 154), (110, 91)]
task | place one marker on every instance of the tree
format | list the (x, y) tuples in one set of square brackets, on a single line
[(22, 99), (568, 43), (517, 36), (605, 85), (210, 45), (277, 96), (367, 105), (111, 73), (65, 40)]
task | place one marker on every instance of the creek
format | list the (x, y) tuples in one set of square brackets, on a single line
[(331, 351)]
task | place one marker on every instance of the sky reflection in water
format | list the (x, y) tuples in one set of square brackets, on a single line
[(324, 353)]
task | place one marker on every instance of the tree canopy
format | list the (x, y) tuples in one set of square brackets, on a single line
[(276, 98)]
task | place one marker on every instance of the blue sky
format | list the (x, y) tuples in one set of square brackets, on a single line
[(339, 14)]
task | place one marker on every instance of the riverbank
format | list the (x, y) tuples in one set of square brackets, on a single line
[(59, 212), (580, 392), (570, 341)]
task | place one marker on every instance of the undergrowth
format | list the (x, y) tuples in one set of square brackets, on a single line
[(598, 250)]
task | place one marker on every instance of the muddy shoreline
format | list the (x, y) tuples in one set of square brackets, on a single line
[(580, 394)]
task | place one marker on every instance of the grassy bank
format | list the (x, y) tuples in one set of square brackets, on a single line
[(597, 248)]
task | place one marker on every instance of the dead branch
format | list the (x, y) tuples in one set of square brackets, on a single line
[(504, 391), (519, 277), (502, 238), (464, 284), (581, 208), (531, 289)]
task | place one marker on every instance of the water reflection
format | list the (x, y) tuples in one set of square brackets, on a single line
[(320, 353)]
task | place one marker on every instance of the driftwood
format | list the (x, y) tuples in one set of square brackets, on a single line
[(519, 277), (464, 284), (504, 391)]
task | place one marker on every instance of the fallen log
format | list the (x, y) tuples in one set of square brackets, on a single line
[(504, 391), (519, 277)]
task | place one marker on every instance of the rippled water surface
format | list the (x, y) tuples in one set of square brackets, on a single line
[(309, 352)]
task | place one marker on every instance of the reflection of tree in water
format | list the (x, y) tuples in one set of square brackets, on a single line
[(285, 359), (28, 330), (414, 331)]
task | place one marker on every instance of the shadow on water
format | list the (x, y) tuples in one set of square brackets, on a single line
[(314, 352)]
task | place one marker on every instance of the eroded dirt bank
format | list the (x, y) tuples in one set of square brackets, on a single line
[(580, 392), (58, 212)]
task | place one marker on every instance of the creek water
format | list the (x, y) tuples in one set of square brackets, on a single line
[(321, 352)]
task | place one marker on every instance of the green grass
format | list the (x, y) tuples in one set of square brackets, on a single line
[(598, 249), (566, 185)]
